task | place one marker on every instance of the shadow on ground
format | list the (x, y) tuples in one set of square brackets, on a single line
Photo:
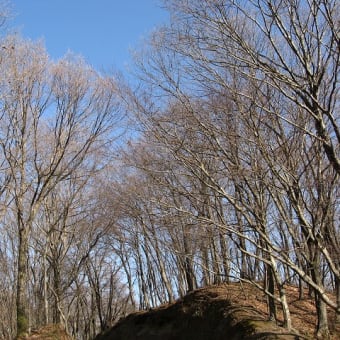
[(201, 315)]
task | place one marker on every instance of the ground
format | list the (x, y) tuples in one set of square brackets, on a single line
[(224, 312), (233, 311), (50, 332)]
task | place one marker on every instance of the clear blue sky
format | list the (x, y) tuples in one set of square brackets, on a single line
[(103, 31)]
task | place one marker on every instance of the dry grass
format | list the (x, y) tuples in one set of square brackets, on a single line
[(50, 332), (303, 313), (228, 311), (208, 309)]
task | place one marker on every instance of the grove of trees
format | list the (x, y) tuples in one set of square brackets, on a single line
[(231, 172)]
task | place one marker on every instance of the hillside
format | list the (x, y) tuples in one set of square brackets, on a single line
[(230, 312)]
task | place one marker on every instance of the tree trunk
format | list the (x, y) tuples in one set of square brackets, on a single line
[(216, 261), (22, 310), (57, 293), (322, 330), (287, 320), (270, 285), (337, 315), (162, 270), (188, 268), (225, 261), (301, 289), (243, 266), (287, 323), (45, 287), (205, 265), (127, 270)]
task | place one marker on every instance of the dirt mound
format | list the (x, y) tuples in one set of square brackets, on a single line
[(223, 312)]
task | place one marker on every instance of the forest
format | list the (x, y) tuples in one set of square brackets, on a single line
[(218, 163)]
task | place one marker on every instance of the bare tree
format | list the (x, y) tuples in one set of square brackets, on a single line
[(54, 116), (257, 82), (291, 46)]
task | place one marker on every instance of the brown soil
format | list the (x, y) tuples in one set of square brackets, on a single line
[(233, 312), (50, 332)]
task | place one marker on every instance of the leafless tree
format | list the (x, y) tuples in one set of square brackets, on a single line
[(238, 94), (53, 116)]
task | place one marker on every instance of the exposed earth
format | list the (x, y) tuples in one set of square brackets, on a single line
[(225, 312), (50, 332), (228, 312)]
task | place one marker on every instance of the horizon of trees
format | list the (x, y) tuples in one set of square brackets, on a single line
[(231, 173)]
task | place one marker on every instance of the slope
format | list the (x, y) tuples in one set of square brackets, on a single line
[(233, 311)]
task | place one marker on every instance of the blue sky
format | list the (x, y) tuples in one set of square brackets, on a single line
[(103, 31)]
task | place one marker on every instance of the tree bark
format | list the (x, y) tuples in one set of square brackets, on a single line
[(271, 288), (57, 294), (322, 329), (22, 310), (337, 292)]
